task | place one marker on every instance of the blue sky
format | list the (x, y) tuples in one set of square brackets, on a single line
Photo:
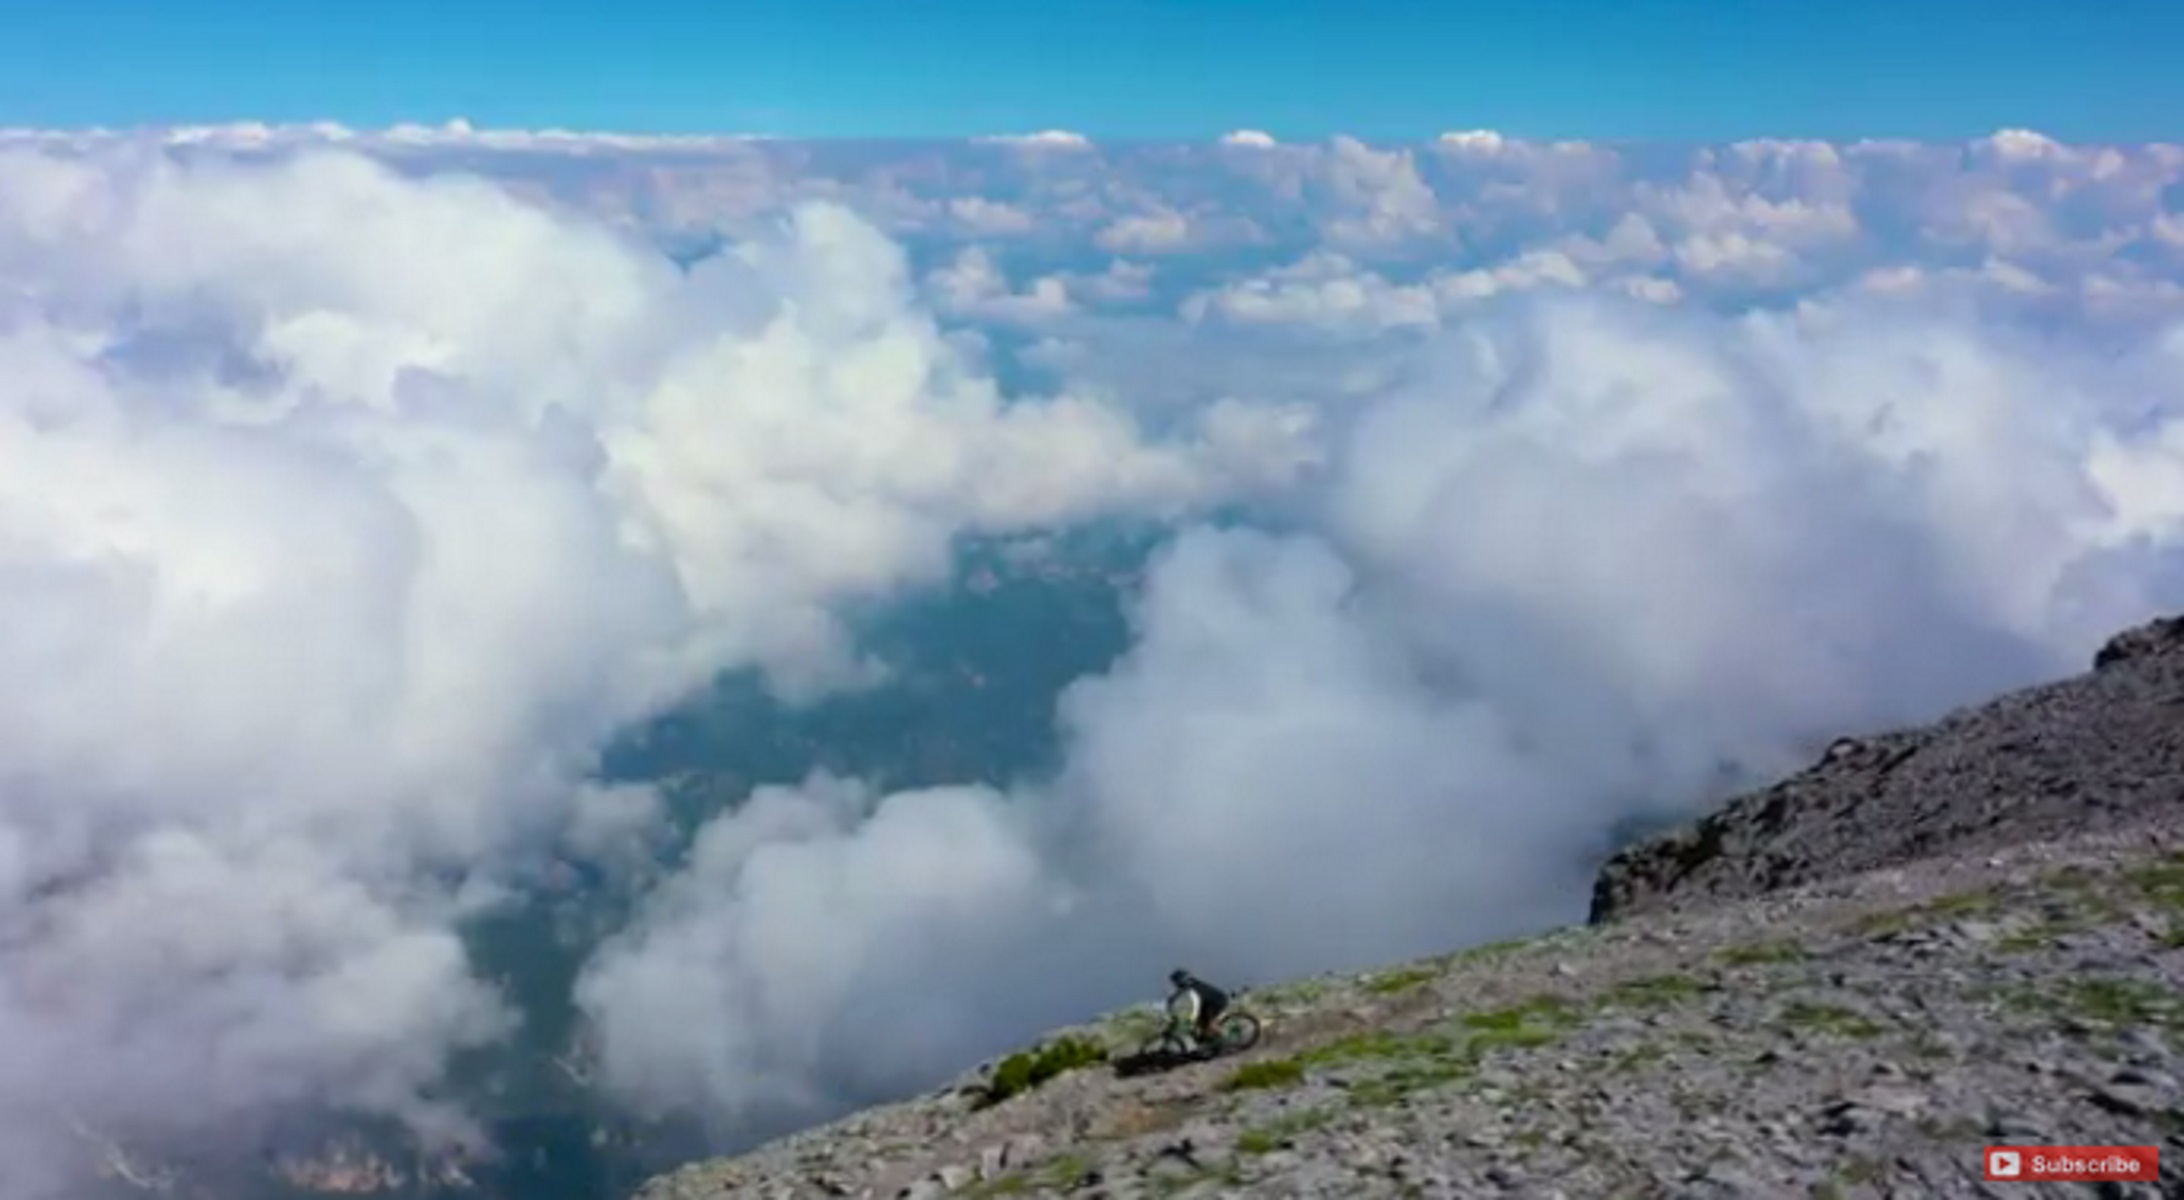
[(1682, 69)]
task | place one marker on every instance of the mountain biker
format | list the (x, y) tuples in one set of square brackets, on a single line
[(1196, 1003)]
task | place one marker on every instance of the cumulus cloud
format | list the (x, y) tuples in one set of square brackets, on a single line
[(347, 507), (987, 218), (1376, 197), (974, 286), (343, 515), (1046, 138), (1326, 290), (1475, 141), (1146, 233), (1122, 282)]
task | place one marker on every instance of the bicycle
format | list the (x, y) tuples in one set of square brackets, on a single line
[(1235, 1032)]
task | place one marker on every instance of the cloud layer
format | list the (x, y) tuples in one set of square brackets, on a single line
[(343, 516), (355, 487), (1602, 563)]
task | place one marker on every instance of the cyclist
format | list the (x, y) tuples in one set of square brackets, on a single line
[(1196, 1003)]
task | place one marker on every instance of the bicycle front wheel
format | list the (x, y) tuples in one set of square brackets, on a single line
[(1167, 1045), (1239, 1031)]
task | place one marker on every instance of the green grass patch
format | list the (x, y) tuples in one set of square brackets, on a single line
[(2163, 884), (1760, 954), (1959, 904), (1406, 1063), (1409, 1077), (1375, 1044), (1830, 1019), (1065, 1170), (1539, 1021), (2122, 1002), (1061, 1173), (1026, 1069), (1389, 983), (1539, 1010), (2035, 937), (1417, 1062), (1270, 1073)]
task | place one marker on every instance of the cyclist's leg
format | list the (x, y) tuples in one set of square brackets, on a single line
[(1207, 1017)]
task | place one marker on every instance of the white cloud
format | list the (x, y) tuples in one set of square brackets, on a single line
[(1377, 197), (1326, 290), (1051, 138), (1329, 291), (1248, 137), (974, 286), (1530, 270), (342, 515), (1632, 241), (1146, 233), (980, 217), (1123, 282), (794, 956), (2022, 144), (1478, 141), (1738, 257)]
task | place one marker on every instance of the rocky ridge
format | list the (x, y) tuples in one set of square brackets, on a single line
[(1752, 1023), (2099, 750)]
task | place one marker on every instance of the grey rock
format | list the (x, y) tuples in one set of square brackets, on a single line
[(2128, 1099), (1721, 1181), (1894, 1100)]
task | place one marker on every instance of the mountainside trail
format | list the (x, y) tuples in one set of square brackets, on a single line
[(1984, 948)]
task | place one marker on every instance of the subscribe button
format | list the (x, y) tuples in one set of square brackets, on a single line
[(2073, 1164)]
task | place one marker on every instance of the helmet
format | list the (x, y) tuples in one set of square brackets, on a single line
[(1179, 977)]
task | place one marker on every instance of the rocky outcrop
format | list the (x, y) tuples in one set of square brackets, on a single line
[(2101, 750), (2164, 635)]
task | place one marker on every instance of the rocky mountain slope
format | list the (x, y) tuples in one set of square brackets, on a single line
[(2100, 750), (1846, 985)]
